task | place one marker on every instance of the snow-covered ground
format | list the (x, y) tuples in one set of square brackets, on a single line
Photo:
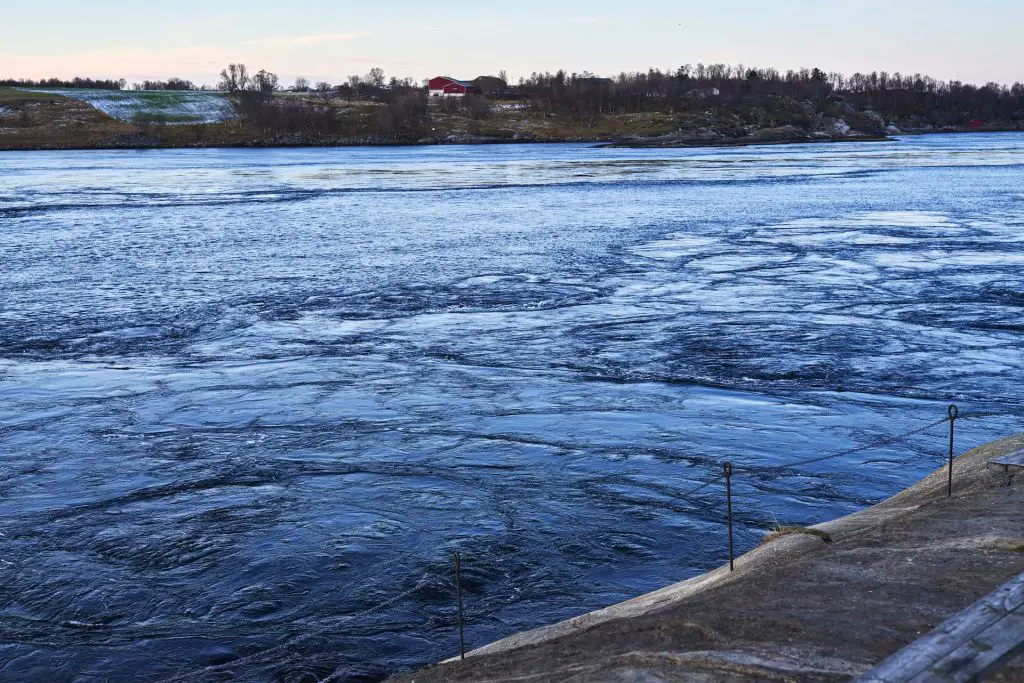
[(170, 106)]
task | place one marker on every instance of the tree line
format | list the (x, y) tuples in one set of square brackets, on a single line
[(688, 87), (236, 78), (762, 96), (172, 83), (403, 112), (77, 82), (169, 84), (721, 85)]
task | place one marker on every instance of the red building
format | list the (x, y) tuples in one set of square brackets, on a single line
[(443, 86)]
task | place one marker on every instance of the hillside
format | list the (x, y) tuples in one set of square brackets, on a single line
[(184, 107), (70, 118)]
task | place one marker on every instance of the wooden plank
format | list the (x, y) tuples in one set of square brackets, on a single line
[(966, 647), (1013, 461), (970, 662)]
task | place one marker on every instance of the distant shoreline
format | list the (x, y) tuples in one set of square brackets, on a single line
[(63, 120), (598, 143)]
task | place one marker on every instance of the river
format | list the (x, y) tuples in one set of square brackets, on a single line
[(252, 400)]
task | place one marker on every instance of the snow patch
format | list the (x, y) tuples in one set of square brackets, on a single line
[(703, 93), (165, 106)]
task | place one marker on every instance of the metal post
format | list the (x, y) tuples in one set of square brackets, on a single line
[(953, 412), (727, 468), (458, 597)]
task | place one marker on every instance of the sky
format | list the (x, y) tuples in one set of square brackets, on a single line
[(970, 40)]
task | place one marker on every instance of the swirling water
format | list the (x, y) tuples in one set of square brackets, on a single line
[(251, 400)]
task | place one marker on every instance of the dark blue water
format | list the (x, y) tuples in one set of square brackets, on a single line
[(250, 401)]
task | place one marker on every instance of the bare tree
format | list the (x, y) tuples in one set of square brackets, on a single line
[(477, 107), (323, 90), (301, 84), (243, 77), (228, 81), (234, 78), (375, 77), (265, 81)]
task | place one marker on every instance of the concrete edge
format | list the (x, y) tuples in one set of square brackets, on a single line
[(967, 470)]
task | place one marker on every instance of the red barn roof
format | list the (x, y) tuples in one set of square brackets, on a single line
[(453, 85)]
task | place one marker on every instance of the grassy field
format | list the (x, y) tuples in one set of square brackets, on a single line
[(15, 95), (165, 106), (34, 119)]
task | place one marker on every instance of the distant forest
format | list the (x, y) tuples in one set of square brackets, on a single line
[(894, 94), (92, 83), (100, 84)]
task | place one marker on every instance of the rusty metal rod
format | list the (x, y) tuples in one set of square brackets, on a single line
[(458, 598), (727, 469), (953, 413)]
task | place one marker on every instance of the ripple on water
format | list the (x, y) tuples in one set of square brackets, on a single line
[(250, 400)]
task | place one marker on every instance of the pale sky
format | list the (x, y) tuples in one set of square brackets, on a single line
[(970, 40)]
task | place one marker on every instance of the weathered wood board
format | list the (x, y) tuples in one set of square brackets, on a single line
[(1012, 462), (966, 647)]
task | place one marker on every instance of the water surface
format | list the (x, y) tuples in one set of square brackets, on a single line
[(251, 400)]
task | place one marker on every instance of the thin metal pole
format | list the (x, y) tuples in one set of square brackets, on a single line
[(953, 412), (727, 469), (458, 597)]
